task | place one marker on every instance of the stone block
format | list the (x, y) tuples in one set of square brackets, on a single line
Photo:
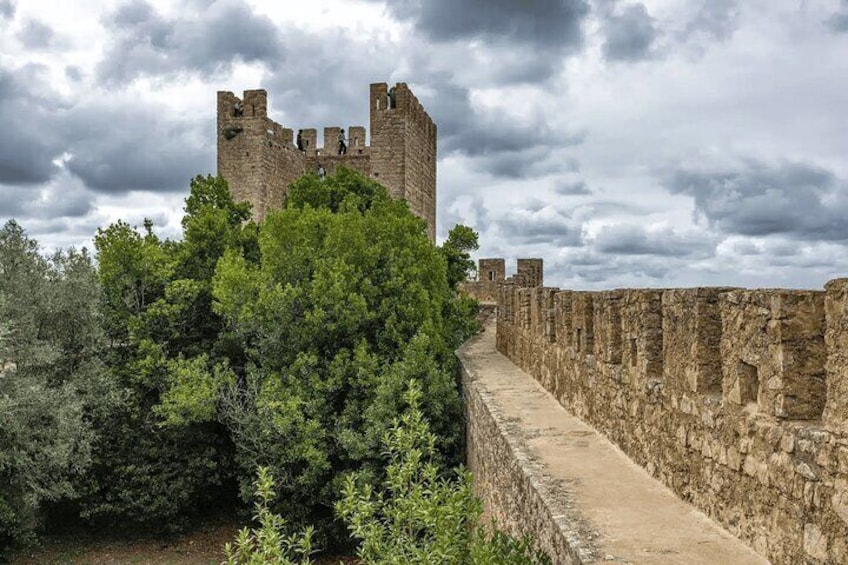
[(642, 337), (691, 324), (563, 318), (772, 351), (836, 339), (583, 322)]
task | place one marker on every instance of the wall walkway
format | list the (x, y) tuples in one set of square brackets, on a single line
[(542, 471)]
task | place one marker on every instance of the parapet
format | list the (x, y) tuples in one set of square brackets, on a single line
[(736, 399), (253, 104), (530, 272), (491, 270)]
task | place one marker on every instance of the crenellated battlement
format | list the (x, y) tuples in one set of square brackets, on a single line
[(260, 158), (737, 399)]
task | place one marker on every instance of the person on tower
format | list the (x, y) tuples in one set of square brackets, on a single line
[(342, 143)]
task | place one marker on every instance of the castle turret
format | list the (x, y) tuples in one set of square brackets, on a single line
[(259, 158)]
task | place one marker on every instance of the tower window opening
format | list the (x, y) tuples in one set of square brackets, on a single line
[(749, 382), (633, 352)]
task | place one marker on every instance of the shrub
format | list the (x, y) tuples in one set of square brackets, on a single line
[(419, 515)]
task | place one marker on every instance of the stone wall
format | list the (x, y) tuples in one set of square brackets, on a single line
[(259, 158), (515, 496), (736, 399), (490, 274)]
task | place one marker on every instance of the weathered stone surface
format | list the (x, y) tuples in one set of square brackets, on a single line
[(773, 352), (836, 337), (259, 158), (540, 470), (734, 425)]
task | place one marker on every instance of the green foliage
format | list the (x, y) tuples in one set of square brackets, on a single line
[(348, 302), (419, 515), (268, 544), (139, 390), (51, 381), (345, 189), (461, 240), (162, 452)]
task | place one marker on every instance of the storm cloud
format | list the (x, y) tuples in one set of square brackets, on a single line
[(7, 9), (800, 200), (632, 239), (838, 21), (542, 24), (545, 225), (30, 143), (207, 40), (119, 148), (630, 34)]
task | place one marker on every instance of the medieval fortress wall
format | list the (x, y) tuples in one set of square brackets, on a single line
[(259, 158), (736, 399)]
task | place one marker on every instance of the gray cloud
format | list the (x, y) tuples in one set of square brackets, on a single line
[(113, 147), (330, 86), (630, 34), (63, 197), (36, 35), (498, 145), (518, 41), (466, 209), (29, 142), (715, 18), (543, 24), (632, 239), (838, 21), (573, 188), (74, 73), (585, 268), (119, 148), (543, 226), (208, 41), (757, 199), (7, 9)]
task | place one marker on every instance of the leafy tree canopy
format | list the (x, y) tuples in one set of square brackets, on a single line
[(349, 301), (51, 379)]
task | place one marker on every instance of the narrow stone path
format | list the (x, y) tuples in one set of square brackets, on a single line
[(605, 507)]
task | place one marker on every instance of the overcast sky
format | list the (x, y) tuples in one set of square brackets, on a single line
[(658, 143)]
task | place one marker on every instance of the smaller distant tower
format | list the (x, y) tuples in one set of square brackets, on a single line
[(529, 272), (491, 270)]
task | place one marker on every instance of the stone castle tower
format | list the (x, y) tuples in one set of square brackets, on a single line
[(259, 158)]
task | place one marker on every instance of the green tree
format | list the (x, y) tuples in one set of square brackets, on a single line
[(456, 250), (51, 379), (163, 454), (349, 301), (420, 516)]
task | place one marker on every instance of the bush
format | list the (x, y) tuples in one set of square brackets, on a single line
[(268, 544), (51, 380), (420, 516)]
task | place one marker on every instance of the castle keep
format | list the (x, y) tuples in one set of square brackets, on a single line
[(259, 158)]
